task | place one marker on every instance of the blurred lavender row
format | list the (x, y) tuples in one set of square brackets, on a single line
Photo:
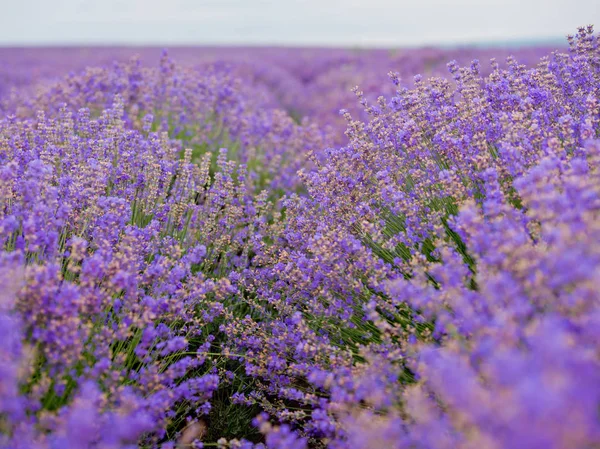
[(313, 82)]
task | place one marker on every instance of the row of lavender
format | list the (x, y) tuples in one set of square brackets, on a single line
[(313, 82), (186, 265)]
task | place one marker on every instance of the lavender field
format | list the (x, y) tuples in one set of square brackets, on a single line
[(300, 248)]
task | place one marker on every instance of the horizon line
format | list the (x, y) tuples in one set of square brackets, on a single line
[(483, 42)]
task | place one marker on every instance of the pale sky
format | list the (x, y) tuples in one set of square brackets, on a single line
[(290, 22)]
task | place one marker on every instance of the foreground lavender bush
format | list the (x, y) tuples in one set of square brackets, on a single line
[(184, 264), (481, 201)]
